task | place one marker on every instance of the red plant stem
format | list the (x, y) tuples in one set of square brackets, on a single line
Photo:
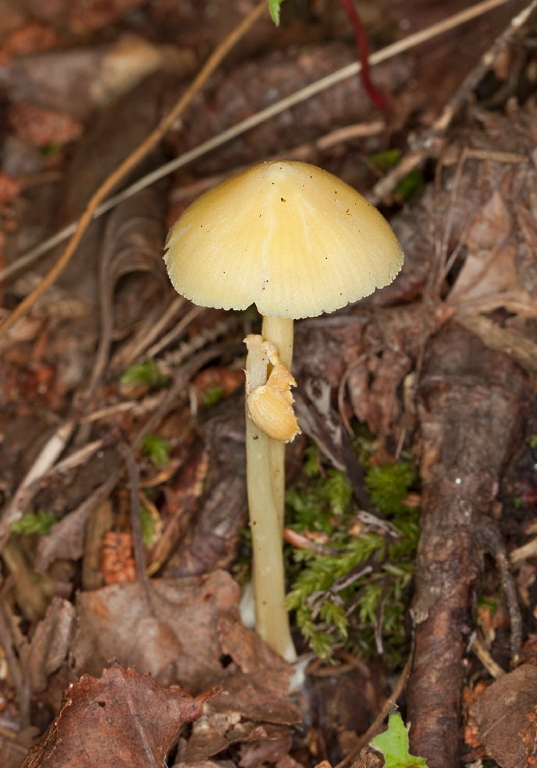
[(363, 49)]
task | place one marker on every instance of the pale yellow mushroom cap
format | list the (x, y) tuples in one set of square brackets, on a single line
[(288, 237)]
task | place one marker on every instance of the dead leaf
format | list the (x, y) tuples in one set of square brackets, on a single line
[(197, 641), (120, 719), (119, 622), (528, 734), (50, 643), (43, 127), (501, 713), (274, 752)]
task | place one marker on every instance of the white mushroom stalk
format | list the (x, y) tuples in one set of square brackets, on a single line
[(269, 421), (280, 330), (295, 241)]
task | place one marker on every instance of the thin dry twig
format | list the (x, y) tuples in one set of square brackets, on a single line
[(133, 160), (430, 142), (378, 57), (376, 725), (494, 669)]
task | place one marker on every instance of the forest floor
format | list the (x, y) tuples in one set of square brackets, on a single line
[(410, 533)]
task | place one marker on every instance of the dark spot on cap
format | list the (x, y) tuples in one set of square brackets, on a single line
[(283, 199)]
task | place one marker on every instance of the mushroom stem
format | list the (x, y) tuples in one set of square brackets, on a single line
[(272, 620), (280, 331)]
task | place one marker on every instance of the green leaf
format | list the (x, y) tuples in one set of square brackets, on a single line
[(156, 447), (393, 744), (38, 523), (274, 10)]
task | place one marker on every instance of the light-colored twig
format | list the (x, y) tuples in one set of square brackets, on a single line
[(486, 659)]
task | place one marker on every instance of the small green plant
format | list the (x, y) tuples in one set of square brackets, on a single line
[(274, 10), (37, 523), (146, 372), (349, 587), (212, 395), (49, 150), (393, 744), (157, 448), (409, 185), (533, 442), (386, 160)]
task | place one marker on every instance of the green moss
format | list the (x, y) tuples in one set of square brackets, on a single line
[(146, 372), (350, 588), (212, 395), (388, 487), (319, 498), (157, 448)]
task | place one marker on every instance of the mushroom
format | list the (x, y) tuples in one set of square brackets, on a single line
[(295, 241)]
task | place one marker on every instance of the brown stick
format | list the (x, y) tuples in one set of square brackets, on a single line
[(470, 405)]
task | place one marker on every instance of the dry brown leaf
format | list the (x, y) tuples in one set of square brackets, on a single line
[(489, 277), (274, 752), (50, 643), (501, 713), (120, 720), (528, 734), (197, 641)]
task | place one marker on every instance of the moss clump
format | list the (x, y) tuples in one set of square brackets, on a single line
[(350, 587), (147, 373), (156, 448)]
